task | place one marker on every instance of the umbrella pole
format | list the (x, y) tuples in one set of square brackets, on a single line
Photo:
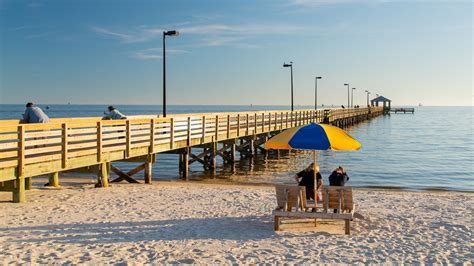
[(315, 180)]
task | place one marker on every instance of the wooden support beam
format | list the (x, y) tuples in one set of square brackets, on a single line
[(53, 180), (103, 175), (185, 172), (28, 183), (19, 194), (148, 172), (126, 176), (213, 161)]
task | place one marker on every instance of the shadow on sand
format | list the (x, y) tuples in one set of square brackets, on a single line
[(219, 228)]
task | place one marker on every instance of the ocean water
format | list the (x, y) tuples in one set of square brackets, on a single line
[(431, 149)]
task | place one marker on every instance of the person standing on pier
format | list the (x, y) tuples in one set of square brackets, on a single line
[(34, 114), (113, 114)]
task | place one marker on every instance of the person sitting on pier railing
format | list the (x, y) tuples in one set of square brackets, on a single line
[(113, 114), (307, 180), (34, 114)]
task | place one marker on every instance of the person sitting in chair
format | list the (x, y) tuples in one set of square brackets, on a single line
[(306, 178), (338, 177)]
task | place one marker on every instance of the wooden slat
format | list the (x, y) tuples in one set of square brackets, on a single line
[(42, 150), (82, 138), (77, 131), (134, 139), (47, 126), (8, 145), (140, 144), (73, 154), (29, 143), (13, 136), (114, 128), (8, 154), (141, 126), (114, 141), (42, 134), (44, 158), (115, 148), (75, 146), (9, 163)]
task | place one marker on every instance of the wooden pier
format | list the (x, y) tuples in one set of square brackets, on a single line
[(92, 144), (402, 110)]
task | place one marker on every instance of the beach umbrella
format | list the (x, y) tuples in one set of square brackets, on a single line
[(313, 137)]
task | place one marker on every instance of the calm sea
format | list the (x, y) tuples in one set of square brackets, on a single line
[(431, 149)]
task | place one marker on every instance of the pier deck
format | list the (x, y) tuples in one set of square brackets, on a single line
[(28, 150)]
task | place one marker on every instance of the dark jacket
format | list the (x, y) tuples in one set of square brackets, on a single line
[(338, 179), (307, 180)]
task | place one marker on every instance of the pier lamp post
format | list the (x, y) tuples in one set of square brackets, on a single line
[(290, 65), (166, 33), (316, 92), (368, 92), (347, 84), (352, 97)]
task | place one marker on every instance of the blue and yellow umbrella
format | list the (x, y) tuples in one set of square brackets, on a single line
[(313, 137)]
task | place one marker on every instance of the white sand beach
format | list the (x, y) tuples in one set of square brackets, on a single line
[(178, 222)]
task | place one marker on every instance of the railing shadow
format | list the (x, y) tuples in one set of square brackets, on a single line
[(221, 228)]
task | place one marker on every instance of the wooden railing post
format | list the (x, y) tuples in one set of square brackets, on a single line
[(171, 133), (203, 129), (129, 139), (281, 121), (19, 194), (152, 135), (247, 125), (217, 128), (255, 124), (99, 141), (189, 131), (64, 145), (238, 125), (263, 122), (228, 126)]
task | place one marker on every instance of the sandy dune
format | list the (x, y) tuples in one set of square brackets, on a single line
[(175, 222)]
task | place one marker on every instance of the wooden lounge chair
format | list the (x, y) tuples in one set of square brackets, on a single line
[(291, 202)]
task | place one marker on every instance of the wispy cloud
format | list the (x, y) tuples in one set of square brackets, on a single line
[(207, 34), (319, 3), (155, 53), (138, 36)]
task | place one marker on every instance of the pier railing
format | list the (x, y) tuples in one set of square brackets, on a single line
[(28, 150)]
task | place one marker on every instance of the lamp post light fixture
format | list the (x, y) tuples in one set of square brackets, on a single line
[(290, 65), (368, 92), (352, 97), (348, 97), (316, 92), (166, 33)]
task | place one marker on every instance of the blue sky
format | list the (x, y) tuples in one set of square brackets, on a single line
[(231, 52)]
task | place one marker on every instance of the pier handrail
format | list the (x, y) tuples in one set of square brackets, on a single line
[(69, 143)]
